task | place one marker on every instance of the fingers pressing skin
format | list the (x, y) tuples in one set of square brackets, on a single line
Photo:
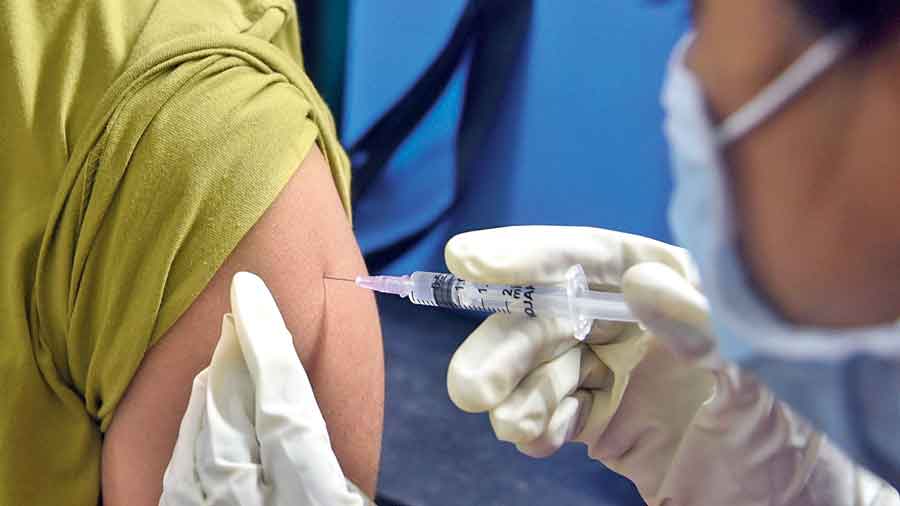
[(253, 433), (295, 448), (179, 478), (227, 456)]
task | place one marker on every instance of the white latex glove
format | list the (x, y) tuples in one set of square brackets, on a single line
[(253, 434), (685, 427)]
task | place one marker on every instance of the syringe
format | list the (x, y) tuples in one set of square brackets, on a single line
[(574, 300)]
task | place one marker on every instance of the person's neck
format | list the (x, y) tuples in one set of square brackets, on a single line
[(817, 192)]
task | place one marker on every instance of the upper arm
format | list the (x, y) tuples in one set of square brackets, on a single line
[(303, 235)]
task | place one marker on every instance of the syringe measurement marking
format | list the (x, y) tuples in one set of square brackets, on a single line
[(484, 307), (446, 291)]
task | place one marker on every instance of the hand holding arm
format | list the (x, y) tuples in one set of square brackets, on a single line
[(253, 433)]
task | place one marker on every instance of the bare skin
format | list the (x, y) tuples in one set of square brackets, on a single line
[(304, 235), (816, 186)]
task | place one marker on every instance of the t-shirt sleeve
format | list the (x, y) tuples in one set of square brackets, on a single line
[(207, 165)]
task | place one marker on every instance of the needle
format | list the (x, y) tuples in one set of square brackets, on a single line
[(335, 278)]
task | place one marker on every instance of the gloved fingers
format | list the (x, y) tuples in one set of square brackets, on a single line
[(542, 255), (296, 451), (502, 351), (180, 486), (265, 341), (670, 308), (525, 415), (295, 448), (566, 422), (227, 454), (282, 388), (603, 332), (230, 402), (596, 409)]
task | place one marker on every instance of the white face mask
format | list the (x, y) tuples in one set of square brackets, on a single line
[(701, 213)]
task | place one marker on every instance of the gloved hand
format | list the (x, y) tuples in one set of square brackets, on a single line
[(253, 433), (651, 401)]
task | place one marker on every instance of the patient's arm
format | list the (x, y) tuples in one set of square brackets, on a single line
[(304, 235)]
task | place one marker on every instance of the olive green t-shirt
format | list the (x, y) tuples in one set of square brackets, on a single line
[(140, 141)]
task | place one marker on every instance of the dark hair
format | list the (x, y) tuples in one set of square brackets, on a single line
[(873, 18)]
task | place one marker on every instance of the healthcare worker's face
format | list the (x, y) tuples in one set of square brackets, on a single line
[(817, 187)]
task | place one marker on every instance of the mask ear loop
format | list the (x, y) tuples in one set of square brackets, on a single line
[(803, 72)]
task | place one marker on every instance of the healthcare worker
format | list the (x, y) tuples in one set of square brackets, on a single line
[(780, 116)]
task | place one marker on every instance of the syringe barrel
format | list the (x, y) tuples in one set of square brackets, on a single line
[(430, 287), (448, 291), (605, 306)]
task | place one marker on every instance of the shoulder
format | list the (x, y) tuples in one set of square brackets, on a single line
[(303, 235), (174, 189)]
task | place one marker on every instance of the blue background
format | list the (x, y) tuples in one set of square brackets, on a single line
[(577, 142)]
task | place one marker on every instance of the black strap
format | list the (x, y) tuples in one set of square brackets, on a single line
[(497, 30), (372, 152), (504, 27)]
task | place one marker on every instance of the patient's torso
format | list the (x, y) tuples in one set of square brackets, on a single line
[(127, 128)]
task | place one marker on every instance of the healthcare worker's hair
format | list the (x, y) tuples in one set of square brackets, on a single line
[(874, 18)]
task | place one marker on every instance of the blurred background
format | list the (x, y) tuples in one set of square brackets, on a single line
[(468, 114)]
